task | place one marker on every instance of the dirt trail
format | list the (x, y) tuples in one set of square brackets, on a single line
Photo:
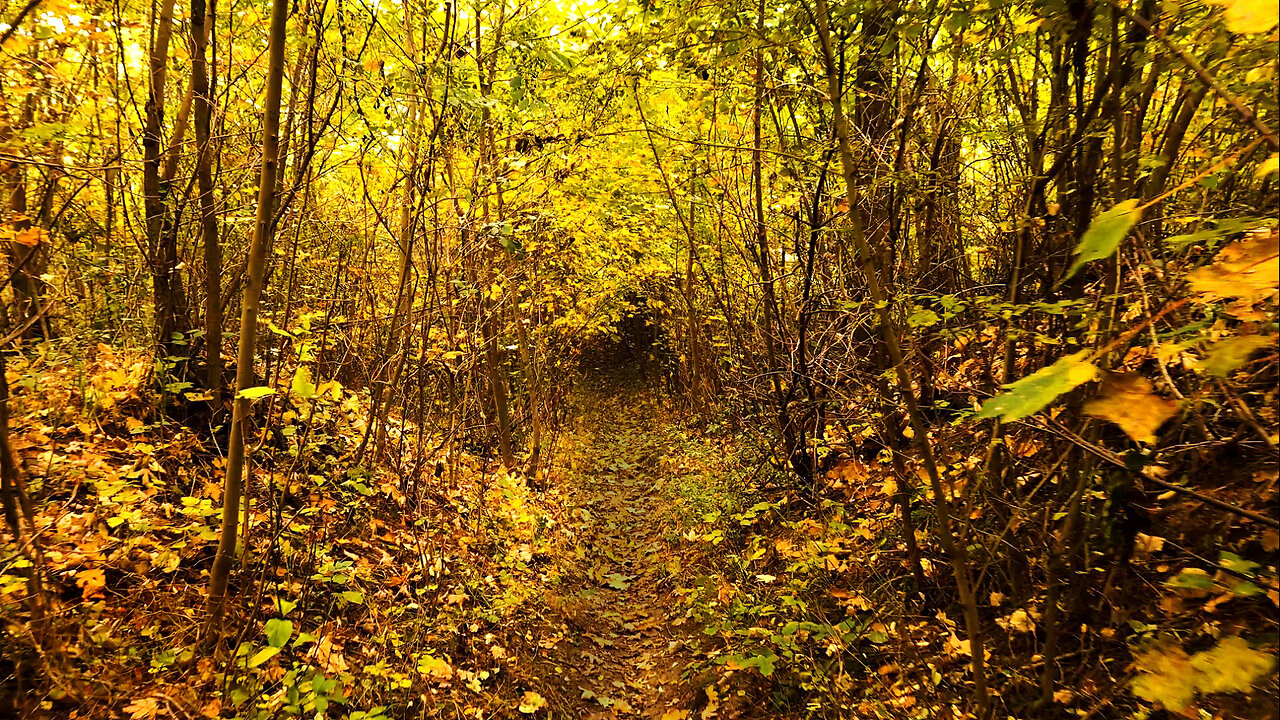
[(622, 650)]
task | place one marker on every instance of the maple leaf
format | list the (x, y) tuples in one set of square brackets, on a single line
[(91, 582), (1128, 401), (1247, 269), (144, 708)]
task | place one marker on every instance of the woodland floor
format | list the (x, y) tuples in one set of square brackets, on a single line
[(621, 651)]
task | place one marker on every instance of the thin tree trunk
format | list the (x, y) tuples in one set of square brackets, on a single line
[(202, 85), (231, 494), (17, 507), (170, 301), (489, 323)]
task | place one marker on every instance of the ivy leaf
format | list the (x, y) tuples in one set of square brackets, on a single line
[(1104, 235), (1030, 394), (278, 632)]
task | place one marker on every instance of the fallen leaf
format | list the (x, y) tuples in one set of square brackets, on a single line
[(91, 582), (531, 702)]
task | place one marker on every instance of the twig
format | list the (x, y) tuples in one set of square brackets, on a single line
[(1244, 111), (1063, 431), (22, 15)]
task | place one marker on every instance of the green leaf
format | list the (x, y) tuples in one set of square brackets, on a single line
[(1226, 355), (1104, 235), (353, 596), (1234, 562), (922, 317), (303, 386), (254, 393), (1032, 393), (764, 663), (1191, 579), (278, 632), (284, 607), (262, 656)]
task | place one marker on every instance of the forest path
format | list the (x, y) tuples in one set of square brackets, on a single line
[(622, 648)]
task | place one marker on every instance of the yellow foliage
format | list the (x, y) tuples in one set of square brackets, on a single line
[(1247, 269), (1128, 401), (1248, 16), (531, 702), (1168, 676), (1231, 666)]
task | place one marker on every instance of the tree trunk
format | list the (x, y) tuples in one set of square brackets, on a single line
[(202, 84), (162, 251), (231, 491)]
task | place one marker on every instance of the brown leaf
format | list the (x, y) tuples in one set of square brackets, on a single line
[(1128, 401), (1247, 269), (30, 237)]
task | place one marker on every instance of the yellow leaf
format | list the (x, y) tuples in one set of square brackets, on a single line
[(1128, 401), (1248, 269), (142, 708), (31, 237), (435, 669), (1231, 666), (1166, 677), (91, 582), (1248, 16), (531, 702), (1268, 166), (675, 714)]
